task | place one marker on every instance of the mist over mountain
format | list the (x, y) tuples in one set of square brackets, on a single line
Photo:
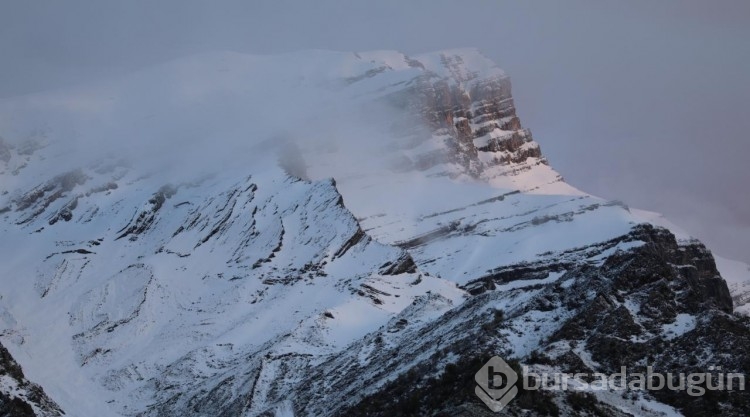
[(325, 233), (642, 102)]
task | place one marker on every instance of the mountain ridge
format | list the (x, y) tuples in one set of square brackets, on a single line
[(205, 274)]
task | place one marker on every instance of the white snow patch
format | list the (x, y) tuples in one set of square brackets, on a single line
[(682, 324), (521, 283)]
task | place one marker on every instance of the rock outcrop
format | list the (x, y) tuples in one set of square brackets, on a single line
[(18, 396), (470, 116)]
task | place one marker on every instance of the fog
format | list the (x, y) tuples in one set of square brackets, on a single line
[(646, 102)]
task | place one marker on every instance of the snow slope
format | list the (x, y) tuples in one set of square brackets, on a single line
[(173, 240), (736, 273)]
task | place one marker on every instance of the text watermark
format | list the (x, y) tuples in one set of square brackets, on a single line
[(497, 382)]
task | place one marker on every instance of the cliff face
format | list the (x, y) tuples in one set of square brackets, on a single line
[(244, 283), (470, 115), (629, 309), (479, 119)]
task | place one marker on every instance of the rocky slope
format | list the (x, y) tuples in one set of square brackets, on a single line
[(18, 396), (173, 244)]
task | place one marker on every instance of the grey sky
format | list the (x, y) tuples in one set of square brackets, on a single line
[(644, 101)]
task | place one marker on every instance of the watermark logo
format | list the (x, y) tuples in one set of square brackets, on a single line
[(694, 384), (496, 384)]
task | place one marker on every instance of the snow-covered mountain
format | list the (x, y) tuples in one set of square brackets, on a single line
[(329, 234)]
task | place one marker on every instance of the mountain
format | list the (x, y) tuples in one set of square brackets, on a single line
[(330, 234)]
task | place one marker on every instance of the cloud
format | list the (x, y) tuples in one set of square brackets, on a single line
[(642, 101)]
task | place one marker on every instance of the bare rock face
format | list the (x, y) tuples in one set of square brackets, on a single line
[(40, 198), (623, 311), (473, 115)]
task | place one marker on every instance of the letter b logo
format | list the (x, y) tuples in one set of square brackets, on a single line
[(496, 384)]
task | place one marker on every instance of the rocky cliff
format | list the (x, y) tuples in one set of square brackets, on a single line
[(174, 244), (470, 119)]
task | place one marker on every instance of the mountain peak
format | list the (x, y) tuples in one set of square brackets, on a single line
[(210, 235)]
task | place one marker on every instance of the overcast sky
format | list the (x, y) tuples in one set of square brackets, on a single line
[(643, 101)]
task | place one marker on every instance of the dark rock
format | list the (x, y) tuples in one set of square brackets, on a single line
[(146, 218)]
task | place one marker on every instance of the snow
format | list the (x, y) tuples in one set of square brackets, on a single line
[(244, 264), (474, 64), (152, 298), (682, 324), (521, 283), (284, 410), (658, 219), (661, 409), (494, 134), (640, 406), (737, 275)]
